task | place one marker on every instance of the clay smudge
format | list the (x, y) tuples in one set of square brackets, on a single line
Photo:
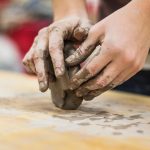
[(117, 133), (138, 116), (140, 131), (84, 123), (119, 127), (118, 117)]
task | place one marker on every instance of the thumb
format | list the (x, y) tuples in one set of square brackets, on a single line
[(95, 35), (85, 49)]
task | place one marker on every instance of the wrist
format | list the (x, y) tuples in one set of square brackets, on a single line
[(65, 8), (74, 13)]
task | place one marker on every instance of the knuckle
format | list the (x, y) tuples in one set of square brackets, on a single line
[(54, 28), (52, 48), (89, 72), (92, 69), (56, 45), (86, 24), (40, 76), (42, 31), (92, 30), (101, 83), (137, 66), (37, 55), (112, 48), (128, 58), (80, 51), (116, 48)]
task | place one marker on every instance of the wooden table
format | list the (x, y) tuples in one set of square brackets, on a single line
[(28, 120)]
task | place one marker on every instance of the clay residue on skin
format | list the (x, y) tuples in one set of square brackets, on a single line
[(79, 78), (79, 55), (84, 74), (62, 97)]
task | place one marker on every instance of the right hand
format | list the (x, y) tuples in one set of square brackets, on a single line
[(50, 44)]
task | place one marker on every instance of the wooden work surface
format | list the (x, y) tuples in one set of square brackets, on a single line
[(28, 120)]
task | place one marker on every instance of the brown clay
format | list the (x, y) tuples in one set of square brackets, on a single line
[(62, 97)]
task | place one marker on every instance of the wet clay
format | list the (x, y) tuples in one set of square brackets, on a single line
[(62, 97)]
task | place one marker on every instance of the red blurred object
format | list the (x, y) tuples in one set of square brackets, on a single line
[(4, 3), (24, 35)]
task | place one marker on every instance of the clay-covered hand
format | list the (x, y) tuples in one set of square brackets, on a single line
[(124, 37), (49, 45)]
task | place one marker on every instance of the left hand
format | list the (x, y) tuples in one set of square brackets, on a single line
[(125, 39), (48, 48)]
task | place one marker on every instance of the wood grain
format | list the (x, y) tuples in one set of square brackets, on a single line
[(29, 120)]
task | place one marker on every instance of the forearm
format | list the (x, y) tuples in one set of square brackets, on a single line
[(64, 8)]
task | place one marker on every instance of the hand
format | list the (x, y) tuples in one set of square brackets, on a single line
[(49, 44), (125, 41)]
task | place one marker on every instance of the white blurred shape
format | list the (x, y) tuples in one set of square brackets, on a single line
[(9, 55)]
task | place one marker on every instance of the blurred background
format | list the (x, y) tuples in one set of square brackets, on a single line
[(20, 21)]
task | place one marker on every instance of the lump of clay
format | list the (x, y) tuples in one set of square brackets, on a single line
[(62, 97)]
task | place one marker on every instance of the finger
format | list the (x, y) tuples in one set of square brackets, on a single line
[(42, 74), (28, 59), (124, 76), (102, 80), (32, 66), (27, 67), (27, 64), (99, 59), (128, 72), (82, 52), (92, 94), (56, 46), (80, 33), (120, 79), (41, 60), (87, 46)]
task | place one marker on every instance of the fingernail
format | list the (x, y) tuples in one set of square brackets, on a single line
[(70, 58), (79, 34), (42, 86)]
